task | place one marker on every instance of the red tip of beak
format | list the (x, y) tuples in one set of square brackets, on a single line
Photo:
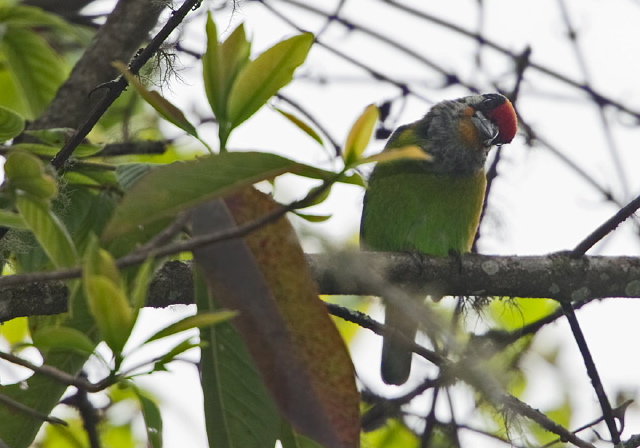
[(505, 117)]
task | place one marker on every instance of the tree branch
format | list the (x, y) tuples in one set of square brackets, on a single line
[(554, 275)]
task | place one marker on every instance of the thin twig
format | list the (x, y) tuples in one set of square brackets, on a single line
[(10, 402), (115, 88)]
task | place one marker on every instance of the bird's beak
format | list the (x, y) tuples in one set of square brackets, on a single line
[(487, 130)]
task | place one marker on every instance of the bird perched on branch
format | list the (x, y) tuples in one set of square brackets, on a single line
[(432, 206)]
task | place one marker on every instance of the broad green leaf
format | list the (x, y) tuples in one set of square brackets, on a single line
[(260, 79), (128, 174), (12, 220), (360, 135), (304, 127), (405, 152), (239, 412), (34, 17), (110, 309), (152, 420), (11, 124), (48, 230), (198, 321), (169, 189), (63, 338), (35, 68), (165, 108)]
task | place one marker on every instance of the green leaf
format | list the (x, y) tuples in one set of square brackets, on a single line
[(164, 107), (169, 189), (128, 174), (48, 230), (35, 68), (178, 349), (239, 412), (106, 297), (304, 127), (110, 309), (12, 220), (198, 321), (11, 124), (405, 152), (81, 151), (260, 79), (221, 64), (313, 218), (53, 137), (152, 419), (323, 194), (21, 164), (64, 338), (359, 135), (318, 173), (34, 17), (141, 284)]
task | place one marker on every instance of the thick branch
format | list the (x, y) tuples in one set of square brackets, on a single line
[(555, 276), (125, 30)]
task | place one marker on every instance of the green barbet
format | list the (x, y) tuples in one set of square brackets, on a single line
[(432, 206)]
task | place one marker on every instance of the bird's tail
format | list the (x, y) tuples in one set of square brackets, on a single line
[(396, 357)]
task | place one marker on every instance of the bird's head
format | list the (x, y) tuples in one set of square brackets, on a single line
[(459, 133)]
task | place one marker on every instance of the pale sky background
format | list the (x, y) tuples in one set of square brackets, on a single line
[(537, 206)]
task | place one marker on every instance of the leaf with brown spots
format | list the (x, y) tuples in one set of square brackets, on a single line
[(301, 357)]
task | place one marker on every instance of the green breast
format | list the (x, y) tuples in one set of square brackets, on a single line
[(410, 209)]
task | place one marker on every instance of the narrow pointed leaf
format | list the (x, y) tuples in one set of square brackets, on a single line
[(48, 230), (304, 127), (263, 77), (164, 107), (12, 220), (141, 284), (313, 218), (406, 152), (360, 135), (63, 338), (35, 68), (198, 321), (152, 420), (82, 151), (110, 309), (211, 71)]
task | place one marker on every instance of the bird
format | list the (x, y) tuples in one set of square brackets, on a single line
[(432, 206)]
